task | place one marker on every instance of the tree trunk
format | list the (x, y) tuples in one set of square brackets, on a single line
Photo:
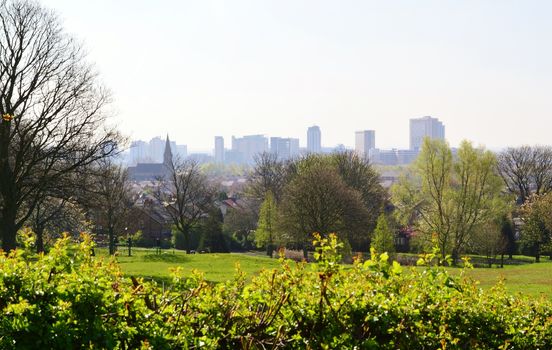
[(39, 231), (8, 227), (111, 235), (187, 241), (269, 248), (455, 257), (502, 260), (537, 253)]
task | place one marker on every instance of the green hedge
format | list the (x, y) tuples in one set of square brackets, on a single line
[(70, 299)]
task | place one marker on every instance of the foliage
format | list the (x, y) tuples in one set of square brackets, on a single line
[(383, 240), (536, 232), (342, 175), (239, 226), (451, 197), (265, 234), (211, 236), (69, 299), (318, 200)]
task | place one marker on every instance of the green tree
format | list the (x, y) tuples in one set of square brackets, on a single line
[(212, 238), (536, 232), (266, 228), (384, 239), (450, 198), (318, 200)]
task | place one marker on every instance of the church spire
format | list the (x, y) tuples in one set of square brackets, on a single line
[(167, 155)]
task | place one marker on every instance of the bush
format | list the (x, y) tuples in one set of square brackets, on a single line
[(69, 299)]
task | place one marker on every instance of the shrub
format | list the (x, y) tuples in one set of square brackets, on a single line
[(69, 299)]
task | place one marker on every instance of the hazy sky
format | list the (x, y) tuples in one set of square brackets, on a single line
[(196, 69)]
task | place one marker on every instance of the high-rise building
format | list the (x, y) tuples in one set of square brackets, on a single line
[(314, 140), (138, 152), (219, 149), (284, 148), (181, 151), (421, 128), (249, 146), (364, 142)]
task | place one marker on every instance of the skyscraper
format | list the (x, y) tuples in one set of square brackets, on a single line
[(314, 140), (421, 128), (249, 146), (284, 148), (219, 149), (365, 141)]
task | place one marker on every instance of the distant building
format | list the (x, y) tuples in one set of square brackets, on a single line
[(406, 156), (364, 142), (152, 171), (314, 140), (138, 152), (421, 128), (284, 148), (181, 151), (219, 149), (249, 146)]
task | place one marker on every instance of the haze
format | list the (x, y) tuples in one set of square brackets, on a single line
[(196, 69)]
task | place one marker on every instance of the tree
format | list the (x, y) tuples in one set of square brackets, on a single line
[(536, 232), (52, 216), (268, 175), (317, 200), (526, 170), (451, 198), (52, 108), (110, 199), (266, 228), (212, 238), (185, 195), (384, 239), (358, 174), (239, 225)]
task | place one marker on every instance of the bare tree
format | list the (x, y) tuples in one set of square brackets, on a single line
[(526, 170), (53, 111), (269, 175), (53, 216), (186, 196), (110, 199)]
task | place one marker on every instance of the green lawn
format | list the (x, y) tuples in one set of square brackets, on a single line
[(216, 267), (529, 279)]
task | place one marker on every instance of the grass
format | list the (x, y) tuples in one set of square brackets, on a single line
[(216, 267), (533, 280), (530, 279)]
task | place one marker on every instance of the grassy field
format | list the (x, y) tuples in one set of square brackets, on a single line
[(529, 279), (216, 267)]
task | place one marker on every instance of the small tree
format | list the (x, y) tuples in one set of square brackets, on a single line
[(185, 195), (384, 239), (266, 229)]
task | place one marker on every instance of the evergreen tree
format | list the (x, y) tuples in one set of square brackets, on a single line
[(383, 240)]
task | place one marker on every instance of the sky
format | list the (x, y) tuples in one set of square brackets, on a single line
[(197, 69)]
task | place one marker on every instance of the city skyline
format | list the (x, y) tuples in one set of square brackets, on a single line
[(276, 67)]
